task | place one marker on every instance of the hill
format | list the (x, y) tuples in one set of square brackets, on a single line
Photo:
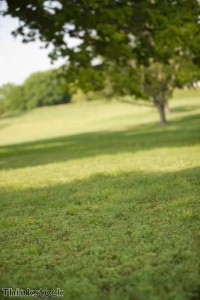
[(100, 201)]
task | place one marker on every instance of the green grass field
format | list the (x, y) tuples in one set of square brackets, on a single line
[(99, 200)]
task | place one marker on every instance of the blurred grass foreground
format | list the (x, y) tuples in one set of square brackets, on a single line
[(100, 201)]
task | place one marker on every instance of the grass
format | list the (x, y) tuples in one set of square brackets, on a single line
[(100, 201)]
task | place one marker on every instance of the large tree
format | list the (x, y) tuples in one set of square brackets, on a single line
[(119, 41)]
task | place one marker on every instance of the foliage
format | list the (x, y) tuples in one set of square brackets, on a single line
[(45, 88), (40, 89), (115, 37), (113, 213), (12, 98)]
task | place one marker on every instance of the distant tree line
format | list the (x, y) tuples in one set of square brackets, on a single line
[(39, 89)]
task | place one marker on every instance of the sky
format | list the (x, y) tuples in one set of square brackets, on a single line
[(18, 60)]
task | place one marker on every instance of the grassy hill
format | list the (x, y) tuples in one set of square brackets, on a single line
[(98, 200)]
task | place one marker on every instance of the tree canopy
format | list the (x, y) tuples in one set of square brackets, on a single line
[(39, 89), (45, 88), (115, 39)]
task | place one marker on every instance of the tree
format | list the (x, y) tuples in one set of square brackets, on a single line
[(112, 36), (39, 89), (45, 88), (12, 98), (159, 81)]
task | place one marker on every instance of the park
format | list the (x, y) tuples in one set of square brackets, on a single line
[(100, 162)]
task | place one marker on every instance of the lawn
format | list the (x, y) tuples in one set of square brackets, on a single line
[(98, 200)]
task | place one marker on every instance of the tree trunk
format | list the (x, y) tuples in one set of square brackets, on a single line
[(161, 109)]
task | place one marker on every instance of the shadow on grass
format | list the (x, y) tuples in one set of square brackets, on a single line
[(179, 133), (105, 237), (188, 108)]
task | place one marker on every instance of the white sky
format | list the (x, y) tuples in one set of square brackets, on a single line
[(18, 60)]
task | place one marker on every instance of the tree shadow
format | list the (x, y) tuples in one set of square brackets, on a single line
[(188, 108), (179, 133), (105, 237)]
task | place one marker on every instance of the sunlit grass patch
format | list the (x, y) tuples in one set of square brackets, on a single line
[(101, 203)]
